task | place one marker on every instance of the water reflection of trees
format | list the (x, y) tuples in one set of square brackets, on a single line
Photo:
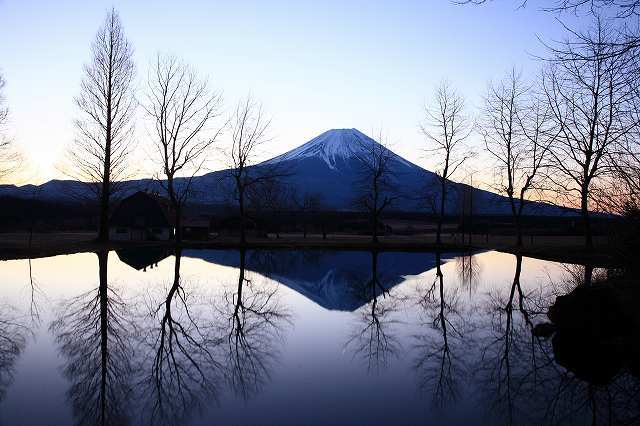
[(509, 352), (255, 320), (440, 370), (469, 271), (180, 363), (35, 295), (550, 373), (95, 338), (13, 339), (593, 334), (373, 338)]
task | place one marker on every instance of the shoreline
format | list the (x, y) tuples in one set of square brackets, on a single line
[(47, 245)]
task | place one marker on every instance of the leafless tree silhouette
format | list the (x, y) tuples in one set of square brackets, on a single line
[(249, 132), (469, 271), (35, 294), (308, 206), (10, 159), (255, 324), (446, 129), (95, 334), (182, 109), (13, 340), (99, 153), (622, 9), (439, 369), (373, 338), (182, 369), (376, 180), (590, 93), (510, 354), (518, 132), (273, 197)]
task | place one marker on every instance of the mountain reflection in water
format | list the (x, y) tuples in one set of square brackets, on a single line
[(271, 337)]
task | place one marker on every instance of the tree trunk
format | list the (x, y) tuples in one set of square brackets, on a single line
[(243, 237), (177, 209), (103, 257), (375, 228), (443, 195), (516, 219), (178, 225), (103, 232), (584, 211)]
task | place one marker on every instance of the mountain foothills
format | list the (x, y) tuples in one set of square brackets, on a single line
[(327, 167)]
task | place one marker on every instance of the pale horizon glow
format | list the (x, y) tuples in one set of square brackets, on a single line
[(365, 65)]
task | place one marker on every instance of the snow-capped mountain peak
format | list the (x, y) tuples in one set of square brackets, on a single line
[(330, 146)]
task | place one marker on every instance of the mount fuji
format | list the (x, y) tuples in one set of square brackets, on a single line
[(328, 166)]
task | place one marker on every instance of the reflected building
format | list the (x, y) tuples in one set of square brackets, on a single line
[(142, 258)]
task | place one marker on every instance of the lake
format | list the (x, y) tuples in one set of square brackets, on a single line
[(313, 338)]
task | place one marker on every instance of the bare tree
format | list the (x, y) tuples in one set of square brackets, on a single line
[(249, 128), (376, 179), (589, 92), (308, 206), (98, 155), (182, 109), (622, 194), (518, 133), (9, 158), (620, 8), (446, 129)]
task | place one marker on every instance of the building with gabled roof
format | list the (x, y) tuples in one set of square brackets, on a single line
[(142, 216)]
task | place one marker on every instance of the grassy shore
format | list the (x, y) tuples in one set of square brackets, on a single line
[(568, 249)]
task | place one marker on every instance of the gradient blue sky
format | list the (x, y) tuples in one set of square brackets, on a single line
[(314, 65)]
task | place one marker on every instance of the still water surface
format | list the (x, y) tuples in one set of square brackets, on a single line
[(303, 338)]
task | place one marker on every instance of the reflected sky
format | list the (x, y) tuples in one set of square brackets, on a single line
[(197, 337)]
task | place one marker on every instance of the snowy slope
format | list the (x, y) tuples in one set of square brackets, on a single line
[(333, 147), (334, 280)]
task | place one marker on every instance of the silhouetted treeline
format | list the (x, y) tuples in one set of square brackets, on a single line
[(19, 214)]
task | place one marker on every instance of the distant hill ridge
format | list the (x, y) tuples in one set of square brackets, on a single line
[(327, 165)]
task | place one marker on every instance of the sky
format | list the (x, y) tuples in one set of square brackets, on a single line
[(315, 66)]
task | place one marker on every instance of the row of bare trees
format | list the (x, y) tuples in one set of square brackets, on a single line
[(184, 114), (569, 138)]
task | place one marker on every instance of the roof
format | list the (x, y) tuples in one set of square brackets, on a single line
[(143, 210), (142, 258)]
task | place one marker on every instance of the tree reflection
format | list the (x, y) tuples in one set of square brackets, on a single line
[(35, 295), (13, 339), (578, 367), (438, 369), (255, 320), (94, 334), (373, 338), (468, 272), (510, 355), (181, 367), (595, 331)]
